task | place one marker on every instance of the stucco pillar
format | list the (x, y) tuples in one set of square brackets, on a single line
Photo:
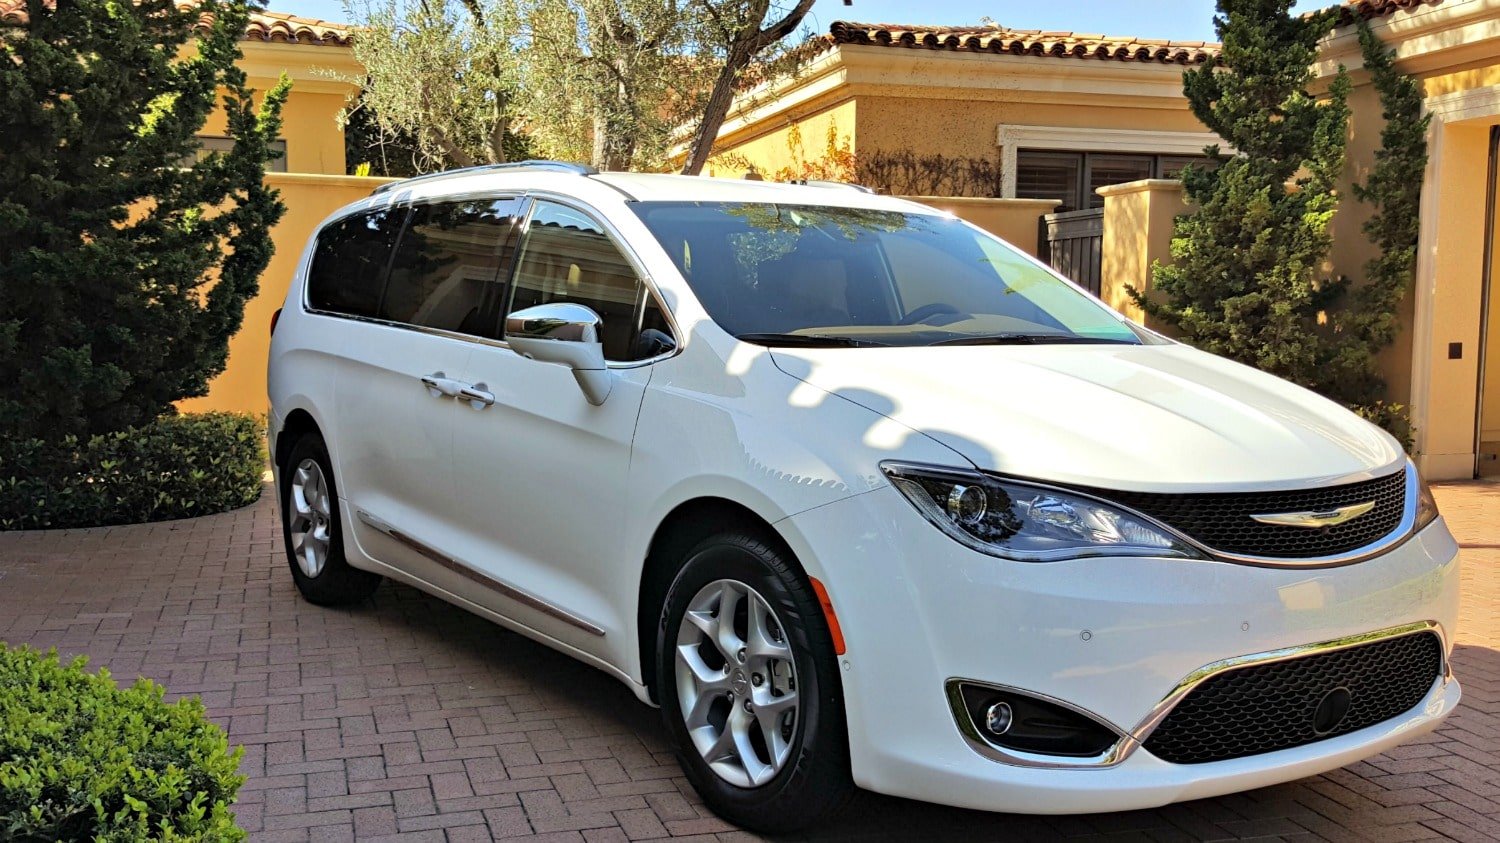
[(1138, 221)]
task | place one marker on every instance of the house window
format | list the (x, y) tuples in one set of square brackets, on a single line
[(1074, 177), (208, 144)]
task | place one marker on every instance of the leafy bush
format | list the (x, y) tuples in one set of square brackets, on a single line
[(81, 759), (176, 467)]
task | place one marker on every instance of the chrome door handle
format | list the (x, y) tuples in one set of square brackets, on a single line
[(439, 385), (477, 396)]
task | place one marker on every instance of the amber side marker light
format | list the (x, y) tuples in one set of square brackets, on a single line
[(275, 317), (833, 619)]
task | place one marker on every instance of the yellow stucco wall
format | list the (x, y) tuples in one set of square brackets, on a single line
[(969, 128), (768, 150), (313, 186), (309, 199), (1012, 220)]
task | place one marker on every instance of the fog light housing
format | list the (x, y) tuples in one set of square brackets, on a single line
[(1009, 719), (998, 718)]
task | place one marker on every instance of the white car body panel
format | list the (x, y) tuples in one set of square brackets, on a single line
[(559, 500)]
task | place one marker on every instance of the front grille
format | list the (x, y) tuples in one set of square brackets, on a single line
[(1263, 708), (1222, 521)]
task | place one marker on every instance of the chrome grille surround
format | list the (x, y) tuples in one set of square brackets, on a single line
[(1134, 739)]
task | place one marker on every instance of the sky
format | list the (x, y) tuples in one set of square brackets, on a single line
[(1184, 20)]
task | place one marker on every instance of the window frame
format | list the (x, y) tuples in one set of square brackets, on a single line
[(275, 165), (306, 270), (1083, 198), (506, 278), (503, 272), (616, 239)]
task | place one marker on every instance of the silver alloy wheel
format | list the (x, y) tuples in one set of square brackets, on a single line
[(737, 683), (311, 518)]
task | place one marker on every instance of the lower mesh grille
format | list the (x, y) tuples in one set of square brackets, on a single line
[(1280, 705)]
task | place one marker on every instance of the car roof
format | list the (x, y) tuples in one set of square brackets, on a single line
[(663, 187)]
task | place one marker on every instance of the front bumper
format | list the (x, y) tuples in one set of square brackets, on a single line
[(1114, 637)]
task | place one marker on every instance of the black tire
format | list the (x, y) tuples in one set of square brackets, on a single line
[(337, 583), (815, 782)]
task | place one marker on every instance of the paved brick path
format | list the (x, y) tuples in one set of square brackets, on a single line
[(410, 717)]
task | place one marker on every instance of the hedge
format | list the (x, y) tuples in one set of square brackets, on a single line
[(82, 759), (177, 467)]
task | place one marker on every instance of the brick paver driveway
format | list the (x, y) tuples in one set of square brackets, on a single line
[(410, 717)]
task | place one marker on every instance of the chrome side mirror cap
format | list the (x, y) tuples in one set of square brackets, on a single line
[(568, 334)]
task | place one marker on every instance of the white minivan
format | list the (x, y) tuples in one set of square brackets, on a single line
[(857, 493)]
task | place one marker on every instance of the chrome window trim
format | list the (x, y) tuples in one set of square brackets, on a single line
[(503, 589), (613, 233), (1136, 738)]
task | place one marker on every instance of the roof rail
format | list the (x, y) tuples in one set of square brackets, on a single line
[(831, 183), (559, 166)]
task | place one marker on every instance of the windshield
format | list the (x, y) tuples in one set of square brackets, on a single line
[(815, 275)]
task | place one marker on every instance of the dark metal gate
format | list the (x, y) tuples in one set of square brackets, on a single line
[(1073, 244)]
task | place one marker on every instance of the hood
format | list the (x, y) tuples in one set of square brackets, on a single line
[(1158, 418)]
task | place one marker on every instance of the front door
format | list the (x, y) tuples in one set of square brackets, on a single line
[(541, 472)]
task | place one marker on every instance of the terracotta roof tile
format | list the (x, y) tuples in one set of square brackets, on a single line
[(994, 39), (264, 26), (1035, 42)]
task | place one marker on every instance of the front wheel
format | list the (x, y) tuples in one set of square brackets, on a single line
[(749, 687)]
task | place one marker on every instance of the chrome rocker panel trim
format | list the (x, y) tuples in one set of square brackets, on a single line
[(1133, 740), (457, 567)]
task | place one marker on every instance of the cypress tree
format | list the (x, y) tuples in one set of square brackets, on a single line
[(1247, 282), (126, 261)]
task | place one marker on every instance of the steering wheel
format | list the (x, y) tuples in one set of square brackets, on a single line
[(927, 311)]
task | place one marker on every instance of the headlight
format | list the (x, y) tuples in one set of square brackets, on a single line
[(1427, 508), (1016, 520)]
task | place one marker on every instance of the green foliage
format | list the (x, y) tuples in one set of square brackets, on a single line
[(1247, 279), (124, 272), (1246, 283), (175, 467), (1394, 188), (81, 759), (441, 78)]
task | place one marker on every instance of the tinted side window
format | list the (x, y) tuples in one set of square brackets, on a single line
[(567, 257), (350, 258), (446, 272)]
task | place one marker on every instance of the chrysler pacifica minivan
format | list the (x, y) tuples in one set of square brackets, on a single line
[(856, 493)]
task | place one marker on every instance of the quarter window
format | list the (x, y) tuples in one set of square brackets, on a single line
[(567, 257), (348, 265), (447, 269)]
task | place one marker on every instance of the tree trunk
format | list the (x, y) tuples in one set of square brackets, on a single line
[(747, 44), (714, 113)]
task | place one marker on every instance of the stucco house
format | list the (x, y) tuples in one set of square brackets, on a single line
[(1094, 121)]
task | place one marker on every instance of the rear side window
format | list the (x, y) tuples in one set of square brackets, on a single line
[(349, 262), (447, 270), (567, 257)]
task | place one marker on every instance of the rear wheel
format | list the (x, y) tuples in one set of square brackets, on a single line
[(749, 688), (313, 530)]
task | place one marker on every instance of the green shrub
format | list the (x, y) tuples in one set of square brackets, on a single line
[(176, 467), (81, 759)]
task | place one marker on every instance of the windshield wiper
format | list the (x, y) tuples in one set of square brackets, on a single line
[(811, 341), (1028, 339)]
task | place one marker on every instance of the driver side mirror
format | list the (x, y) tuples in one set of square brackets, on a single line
[(565, 333)]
